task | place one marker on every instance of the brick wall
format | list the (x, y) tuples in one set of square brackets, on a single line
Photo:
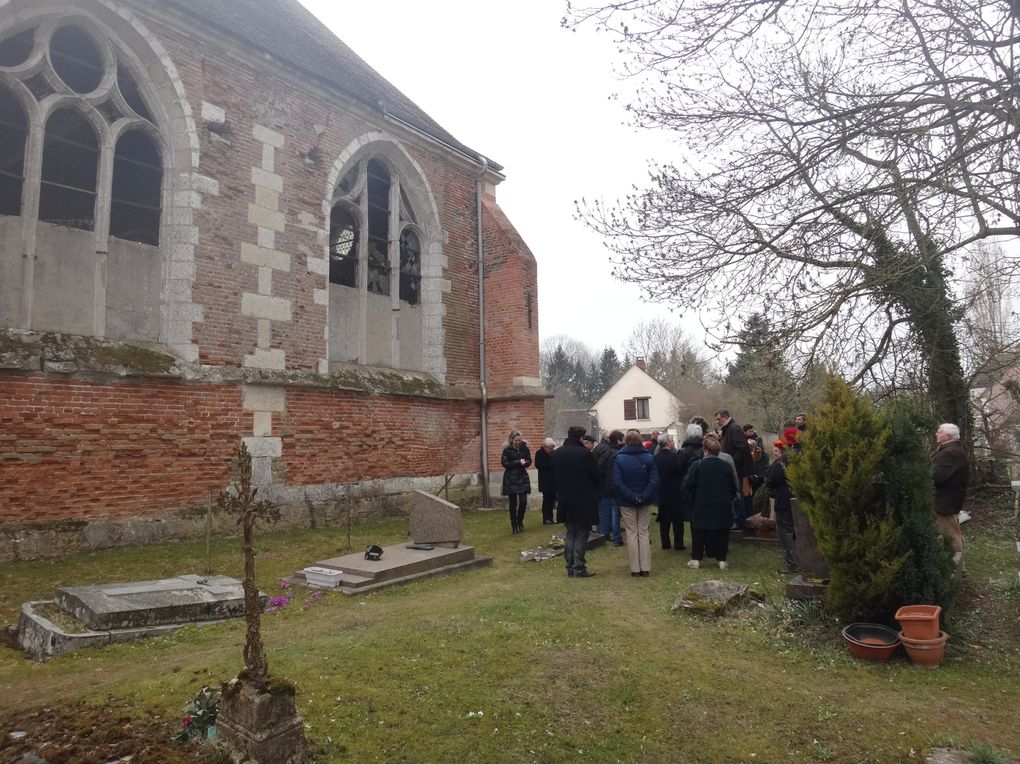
[(76, 449)]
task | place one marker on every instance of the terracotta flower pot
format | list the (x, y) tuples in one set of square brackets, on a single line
[(925, 652), (919, 621), (871, 641)]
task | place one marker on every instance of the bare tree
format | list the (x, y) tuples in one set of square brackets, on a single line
[(672, 357), (837, 156)]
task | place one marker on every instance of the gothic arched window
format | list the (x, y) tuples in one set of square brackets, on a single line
[(137, 187), (67, 194), (13, 134)]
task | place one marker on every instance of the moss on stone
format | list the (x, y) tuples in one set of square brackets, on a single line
[(88, 353)]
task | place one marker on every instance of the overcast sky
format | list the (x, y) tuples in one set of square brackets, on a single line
[(508, 81)]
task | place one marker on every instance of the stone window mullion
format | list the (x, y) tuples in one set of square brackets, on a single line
[(363, 266), (393, 254), (30, 208), (104, 191)]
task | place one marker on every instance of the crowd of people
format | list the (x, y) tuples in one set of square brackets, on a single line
[(708, 482), (614, 485)]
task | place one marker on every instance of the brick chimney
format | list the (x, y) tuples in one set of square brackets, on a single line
[(640, 363)]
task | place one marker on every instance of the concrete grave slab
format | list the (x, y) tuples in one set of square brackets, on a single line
[(398, 564), (435, 521)]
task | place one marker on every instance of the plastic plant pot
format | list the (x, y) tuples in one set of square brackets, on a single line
[(871, 641), (919, 621)]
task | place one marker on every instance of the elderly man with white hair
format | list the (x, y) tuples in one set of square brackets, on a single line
[(546, 479), (950, 471)]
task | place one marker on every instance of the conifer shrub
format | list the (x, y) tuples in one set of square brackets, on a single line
[(864, 481)]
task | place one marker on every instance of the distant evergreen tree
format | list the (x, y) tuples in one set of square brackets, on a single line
[(761, 375), (559, 371), (609, 370)]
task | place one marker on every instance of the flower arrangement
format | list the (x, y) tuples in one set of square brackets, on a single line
[(199, 720)]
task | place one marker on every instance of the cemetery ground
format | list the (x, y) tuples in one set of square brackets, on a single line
[(517, 662)]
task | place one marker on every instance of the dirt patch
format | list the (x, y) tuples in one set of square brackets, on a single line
[(100, 734)]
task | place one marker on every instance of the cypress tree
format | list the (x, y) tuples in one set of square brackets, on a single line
[(839, 484)]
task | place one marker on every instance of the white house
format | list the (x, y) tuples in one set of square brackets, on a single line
[(638, 401)]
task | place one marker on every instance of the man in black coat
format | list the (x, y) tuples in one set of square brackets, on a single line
[(950, 471), (577, 486), (735, 444)]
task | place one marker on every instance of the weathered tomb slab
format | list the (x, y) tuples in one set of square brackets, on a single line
[(435, 521), (400, 563), (811, 564), (712, 596), (139, 604)]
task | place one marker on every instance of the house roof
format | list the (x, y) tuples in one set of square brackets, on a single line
[(289, 32), (625, 378)]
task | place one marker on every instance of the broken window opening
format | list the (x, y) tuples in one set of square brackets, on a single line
[(67, 194), (76, 59), (131, 92), (378, 227), (410, 267), (343, 248), (16, 49), (137, 189), (13, 135), (350, 179), (406, 210)]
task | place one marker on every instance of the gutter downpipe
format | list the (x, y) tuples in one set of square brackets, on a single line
[(479, 190)]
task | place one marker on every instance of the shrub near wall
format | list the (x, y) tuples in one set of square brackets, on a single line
[(864, 482)]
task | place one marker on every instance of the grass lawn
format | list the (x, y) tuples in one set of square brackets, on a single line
[(516, 662)]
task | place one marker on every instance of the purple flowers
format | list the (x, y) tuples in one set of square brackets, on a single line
[(277, 603)]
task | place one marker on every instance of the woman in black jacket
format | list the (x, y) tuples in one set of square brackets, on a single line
[(779, 491), (689, 452), (546, 479), (516, 484), (667, 462)]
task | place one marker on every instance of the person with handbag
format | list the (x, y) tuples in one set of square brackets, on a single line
[(636, 482)]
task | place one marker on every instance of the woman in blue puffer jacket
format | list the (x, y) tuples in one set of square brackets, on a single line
[(636, 482)]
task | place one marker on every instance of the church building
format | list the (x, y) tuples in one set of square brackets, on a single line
[(218, 224)]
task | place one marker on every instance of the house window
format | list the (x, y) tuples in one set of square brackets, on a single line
[(641, 408), (636, 408), (13, 133)]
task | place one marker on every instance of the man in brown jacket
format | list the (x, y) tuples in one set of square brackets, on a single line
[(950, 470)]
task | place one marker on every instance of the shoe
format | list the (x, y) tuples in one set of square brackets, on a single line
[(584, 574), (635, 573), (667, 547), (570, 573), (680, 548), (723, 565), (645, 573), (617, 543), (693, 563)]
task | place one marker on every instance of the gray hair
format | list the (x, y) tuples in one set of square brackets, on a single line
[(951, 430), (548, 442), (665, 438), (694, 431)]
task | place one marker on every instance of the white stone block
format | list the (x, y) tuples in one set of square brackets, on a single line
[(318, 266), (266, 197), (526, 382), (266, 218), (264, 258), (188, 199), (266, 359), (308, 221), (213, 114), (205, 185), (265, 281), (265, 330), (272, 447), (260, 177), (266, 238), (258, 398), (262, 471), (263, 306), (262, 426), (320, 296), (323, 366), (265, 135), (183, 270), (268, 157)]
